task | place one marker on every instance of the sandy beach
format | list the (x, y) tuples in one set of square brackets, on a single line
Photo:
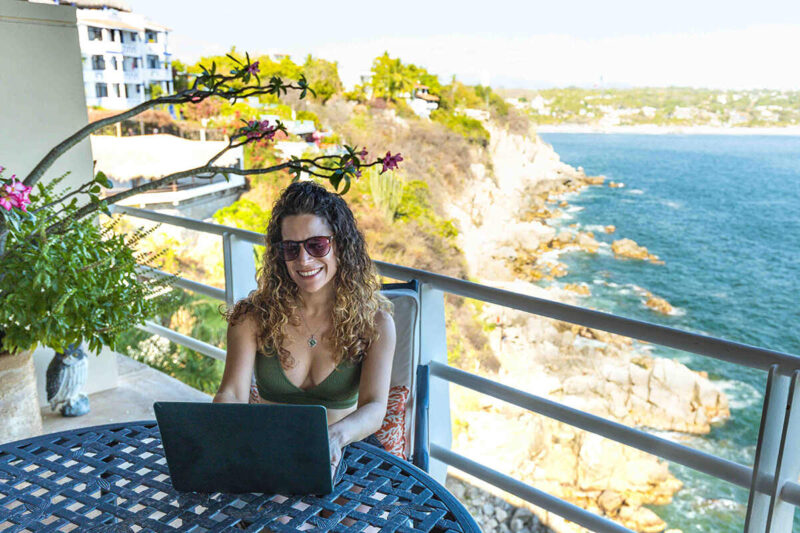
[(649, 129)]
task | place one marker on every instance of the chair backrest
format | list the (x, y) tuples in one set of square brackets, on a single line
[(405, 298)]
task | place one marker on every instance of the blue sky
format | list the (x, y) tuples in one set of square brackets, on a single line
[(514, 44)]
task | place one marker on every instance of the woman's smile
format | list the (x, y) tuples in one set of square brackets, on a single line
[(309, 273)]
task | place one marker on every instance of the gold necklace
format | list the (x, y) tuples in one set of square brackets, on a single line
[(311, 340)]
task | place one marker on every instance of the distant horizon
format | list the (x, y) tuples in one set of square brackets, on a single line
[(620, 44)]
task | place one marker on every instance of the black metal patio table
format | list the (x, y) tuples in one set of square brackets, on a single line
[(115, 478)]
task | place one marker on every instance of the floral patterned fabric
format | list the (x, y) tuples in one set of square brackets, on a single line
[(393, 430)]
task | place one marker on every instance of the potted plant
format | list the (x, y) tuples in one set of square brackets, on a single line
[(61, 288), (65, 279)]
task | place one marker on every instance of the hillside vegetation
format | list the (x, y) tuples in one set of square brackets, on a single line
[(661, 106)]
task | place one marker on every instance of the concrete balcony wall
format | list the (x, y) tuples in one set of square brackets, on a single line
[(37, 39)]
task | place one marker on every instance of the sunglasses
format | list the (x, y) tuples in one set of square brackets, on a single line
[(315, 246)]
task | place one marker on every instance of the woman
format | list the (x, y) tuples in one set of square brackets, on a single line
[(317, 330)]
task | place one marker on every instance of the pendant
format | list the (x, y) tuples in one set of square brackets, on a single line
[(312, 341)]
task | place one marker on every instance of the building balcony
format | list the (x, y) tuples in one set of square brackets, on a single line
[(159, 74), (133, 76)]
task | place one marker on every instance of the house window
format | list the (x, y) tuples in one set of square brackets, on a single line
[(130, 63), (98, 63), (152, 62), (150, 36), (116, 90), (111, 36), (95, 34), (114, 64), (134, 36), (101, 90), (138, 89)]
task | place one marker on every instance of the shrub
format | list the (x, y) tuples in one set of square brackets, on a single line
[(469, 128)]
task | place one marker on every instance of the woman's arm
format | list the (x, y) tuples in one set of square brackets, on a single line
[(373, 390), (239, 362)]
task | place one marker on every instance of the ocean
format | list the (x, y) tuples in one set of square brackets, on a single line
[(723, 212)]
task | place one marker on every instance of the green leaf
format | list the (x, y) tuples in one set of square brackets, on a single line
[(103, 180), (346, 185)]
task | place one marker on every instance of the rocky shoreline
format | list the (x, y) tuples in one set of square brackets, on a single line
[(505, 233)]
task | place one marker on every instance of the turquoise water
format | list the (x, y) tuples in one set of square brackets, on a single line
[(723, 212)]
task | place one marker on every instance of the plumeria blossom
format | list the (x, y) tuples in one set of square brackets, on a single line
[(253, 68), (15, 194), (390, 161), (260, 130)]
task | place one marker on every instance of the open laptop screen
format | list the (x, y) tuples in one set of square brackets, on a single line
[(277, 449)]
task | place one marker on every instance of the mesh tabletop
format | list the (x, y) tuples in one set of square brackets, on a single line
[(114, 478)]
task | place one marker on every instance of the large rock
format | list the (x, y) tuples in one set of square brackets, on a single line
[(587, 242), (628, 248), (659, 304), (641, 519)]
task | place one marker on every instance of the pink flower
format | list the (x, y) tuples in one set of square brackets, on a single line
[(15, 194), (253, 68), (260, 130), (362, 154), (390, 161)]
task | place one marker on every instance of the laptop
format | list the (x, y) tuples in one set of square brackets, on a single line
[(268, 448)]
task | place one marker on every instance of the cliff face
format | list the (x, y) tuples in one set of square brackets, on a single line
[(502, 217)]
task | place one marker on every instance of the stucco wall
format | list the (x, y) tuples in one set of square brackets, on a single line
[(41, 88)]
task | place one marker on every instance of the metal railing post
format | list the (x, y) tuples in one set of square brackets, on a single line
[(240, 267), (761, 503), (781, 512), (433, 342)]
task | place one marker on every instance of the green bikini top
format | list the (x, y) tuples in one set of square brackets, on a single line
[(338, 391)]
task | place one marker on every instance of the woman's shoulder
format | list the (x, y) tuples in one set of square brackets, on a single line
[(245, 324), (383, 319)]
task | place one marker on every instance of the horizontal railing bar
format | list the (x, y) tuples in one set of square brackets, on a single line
[(695, 459), (790, 493), (528, 493), (183, 340), (189, 223), (738, 353), (183, 283), (741, 354)]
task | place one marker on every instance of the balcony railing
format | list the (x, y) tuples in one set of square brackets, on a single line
[(772, 481)]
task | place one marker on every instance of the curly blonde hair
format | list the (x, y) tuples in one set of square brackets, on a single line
[(358, 299)]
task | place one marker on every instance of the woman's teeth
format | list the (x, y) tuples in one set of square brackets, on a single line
[(309, 273)]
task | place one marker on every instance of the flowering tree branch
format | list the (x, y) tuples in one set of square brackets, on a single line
[(242, 82)]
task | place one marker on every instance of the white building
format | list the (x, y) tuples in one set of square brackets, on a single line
[(422, 102), (124, 55), (133, 161)]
